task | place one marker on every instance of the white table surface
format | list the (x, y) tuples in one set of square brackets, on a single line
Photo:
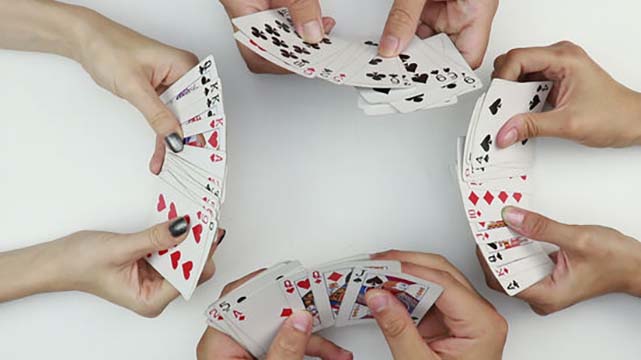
[(311, 178)]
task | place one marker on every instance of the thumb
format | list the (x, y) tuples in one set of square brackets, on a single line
[(157, 238), (400, 27), (398, 328), (160, 118), (306, 15), (531, 125), (539, 227), (291, 341)]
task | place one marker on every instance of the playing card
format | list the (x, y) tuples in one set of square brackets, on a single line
[(417, 295), (502, 257), (189, 82), (182, 265), (522, 280), (503, 100)]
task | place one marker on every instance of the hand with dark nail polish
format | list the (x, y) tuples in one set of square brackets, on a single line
[(111, 266)]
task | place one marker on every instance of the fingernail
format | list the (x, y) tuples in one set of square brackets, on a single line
[(513, 216), (510, 138), (175, 142), (179, 227), (301, 321), (377, 302), (389, 45), (312, 31), (221, 237)]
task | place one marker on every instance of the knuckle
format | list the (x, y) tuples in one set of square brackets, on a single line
[(536, 225), (288, 345), (400, 17), (531, 128), (513, 55), (394, 327), (156, 238), (583, 238), (499, 60), (568, 49)]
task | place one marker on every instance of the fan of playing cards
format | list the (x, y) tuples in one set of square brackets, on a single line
[(191, 182), (491, 178), (334, 293), (430, 73)]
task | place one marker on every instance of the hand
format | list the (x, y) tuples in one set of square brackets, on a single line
[(589, 106), (591, 261), (467, 22), (137, 69), (306, 15), (112, 266), (461, 326), (293, 341)]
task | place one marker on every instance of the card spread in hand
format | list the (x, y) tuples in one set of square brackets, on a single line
[(192, 182), (333, 293), (490, 179)]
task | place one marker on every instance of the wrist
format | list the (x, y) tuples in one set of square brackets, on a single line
[(636, 116), (30, 271), (633, 275)]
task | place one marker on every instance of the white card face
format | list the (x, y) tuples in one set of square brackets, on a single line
[(521, 281), (206, 68), (375, 71), (416, 294), (500, 258), (494, 234), (503, 100), (521, 266), (502, 245), (299, 286), (307, 72), (487, 205), (182, 265), (211, 161), (375, 109)]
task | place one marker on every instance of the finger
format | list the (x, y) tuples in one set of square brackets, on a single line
[(424, 31), (158, 158), (157, 238), (432, 261), (328, 24), (539, 227), (320, 347), (400, 27), (144, 98), (291, 341), (398, 328), (472, 42), (531, 125), (518, 62), (306, 15)]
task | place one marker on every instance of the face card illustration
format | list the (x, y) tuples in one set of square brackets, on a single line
[(416, 294)]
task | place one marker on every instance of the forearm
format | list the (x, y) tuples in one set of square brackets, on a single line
[(29, 271), (41, 25)]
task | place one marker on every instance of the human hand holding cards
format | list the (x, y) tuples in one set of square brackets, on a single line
[(192, 182), (429, 73), (392, 289)]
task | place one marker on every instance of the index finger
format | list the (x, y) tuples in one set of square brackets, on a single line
[(517, 63), (400, 27)]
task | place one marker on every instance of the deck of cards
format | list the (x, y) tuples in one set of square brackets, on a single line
[(430, 73), (334, 293), (491, 178), (192, 182)]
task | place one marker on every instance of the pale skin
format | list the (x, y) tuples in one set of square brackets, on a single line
[(108, 265), (128, 64), (592, 260), (467, 22), (462, 325)]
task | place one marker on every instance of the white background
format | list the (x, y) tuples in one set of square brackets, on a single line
[(311, 178)]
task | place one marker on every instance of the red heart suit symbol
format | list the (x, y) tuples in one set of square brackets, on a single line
[(197, 230), (161, 203), (172, 212), (162, 252), (175, 257), (213, 139), (304, 284), (187, 267), (290, 290)]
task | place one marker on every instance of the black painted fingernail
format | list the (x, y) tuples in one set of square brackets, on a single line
[(179, 226), (221, 237), (175, 142)]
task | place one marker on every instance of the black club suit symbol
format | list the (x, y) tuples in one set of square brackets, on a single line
[(375, 61), (271, 30), (259, 34), (301, 50), (313, 46), (278, 42), (288, 54), (283, 26), (376, 76)]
